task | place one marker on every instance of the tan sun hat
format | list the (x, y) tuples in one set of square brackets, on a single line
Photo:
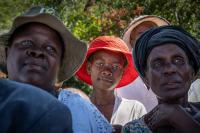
[(75, 50), (139, 20)]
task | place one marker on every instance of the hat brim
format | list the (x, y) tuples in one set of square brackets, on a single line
[(129, 74), (145, 18), (75, 50)]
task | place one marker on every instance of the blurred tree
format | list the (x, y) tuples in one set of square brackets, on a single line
[(87, 19)]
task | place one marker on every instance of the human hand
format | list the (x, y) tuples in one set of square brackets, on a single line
[(161, 115), (117, 128)]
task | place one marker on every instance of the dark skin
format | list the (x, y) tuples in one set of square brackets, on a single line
[(169, 74), (138, 30), (106, 69), (34, 56)]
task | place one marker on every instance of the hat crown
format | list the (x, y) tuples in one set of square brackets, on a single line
[(36, 10), (109, 42)]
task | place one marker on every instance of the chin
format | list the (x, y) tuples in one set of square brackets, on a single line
[(172, 99), (33, 81), (107, 88)]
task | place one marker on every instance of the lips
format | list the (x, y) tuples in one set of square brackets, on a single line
[(171, 84), (105, 79), (35, 65)]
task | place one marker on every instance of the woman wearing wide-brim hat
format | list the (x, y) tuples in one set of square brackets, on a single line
[(137, 90), (42, 52), (109, 65)]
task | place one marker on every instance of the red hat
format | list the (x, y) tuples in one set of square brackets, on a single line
[(114, 44)]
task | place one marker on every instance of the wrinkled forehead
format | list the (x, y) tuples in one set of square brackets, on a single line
[(167, 50)]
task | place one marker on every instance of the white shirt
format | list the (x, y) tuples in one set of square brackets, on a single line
[(194, 92), (138, 91), (126, 110)]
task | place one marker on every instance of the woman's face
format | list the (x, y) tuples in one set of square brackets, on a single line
[(106, 69), (138, 30), (168, 72), (34, 56)]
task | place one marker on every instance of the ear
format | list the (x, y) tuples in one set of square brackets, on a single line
[(88, 67)]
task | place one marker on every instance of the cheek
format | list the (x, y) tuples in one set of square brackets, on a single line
[(118, 75), (54, 64), (152, 79), (13, 59), (13, 64), (94, 72), (188, 76)]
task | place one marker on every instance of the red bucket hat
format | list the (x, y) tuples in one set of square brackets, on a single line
[(114, 44)]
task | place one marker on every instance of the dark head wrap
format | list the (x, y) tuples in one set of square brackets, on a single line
[(160, 36)]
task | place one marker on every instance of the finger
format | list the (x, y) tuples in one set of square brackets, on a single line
[(151, 113)]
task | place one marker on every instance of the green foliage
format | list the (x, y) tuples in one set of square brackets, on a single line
[(87, 20), (76, 83)]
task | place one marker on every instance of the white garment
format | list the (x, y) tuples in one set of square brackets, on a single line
[(126, 110), (138, 91), (85, 116), (194, 92)]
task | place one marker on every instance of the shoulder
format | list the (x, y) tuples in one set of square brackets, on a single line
[(133, 103), (29, 104), (75, 102), (23, 92), (196, 83), (67, 97), (195, 87), (136, 126), (134, 106), (84, 113), (29, 96), (194, 91)]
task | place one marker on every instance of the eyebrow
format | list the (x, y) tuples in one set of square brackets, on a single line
[(162, 57)]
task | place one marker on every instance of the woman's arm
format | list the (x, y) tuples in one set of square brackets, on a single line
[(183, 121), (173, 115)]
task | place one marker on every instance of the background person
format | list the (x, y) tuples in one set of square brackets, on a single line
[(136, 89), (194, 92)]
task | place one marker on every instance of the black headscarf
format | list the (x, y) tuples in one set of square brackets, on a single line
[(162, 35)]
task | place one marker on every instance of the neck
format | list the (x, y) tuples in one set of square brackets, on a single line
[(50, 89), (182, 101), (99, 97)]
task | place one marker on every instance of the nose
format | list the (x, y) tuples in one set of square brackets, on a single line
[(106, 71), (36, 53), (169, 68)]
